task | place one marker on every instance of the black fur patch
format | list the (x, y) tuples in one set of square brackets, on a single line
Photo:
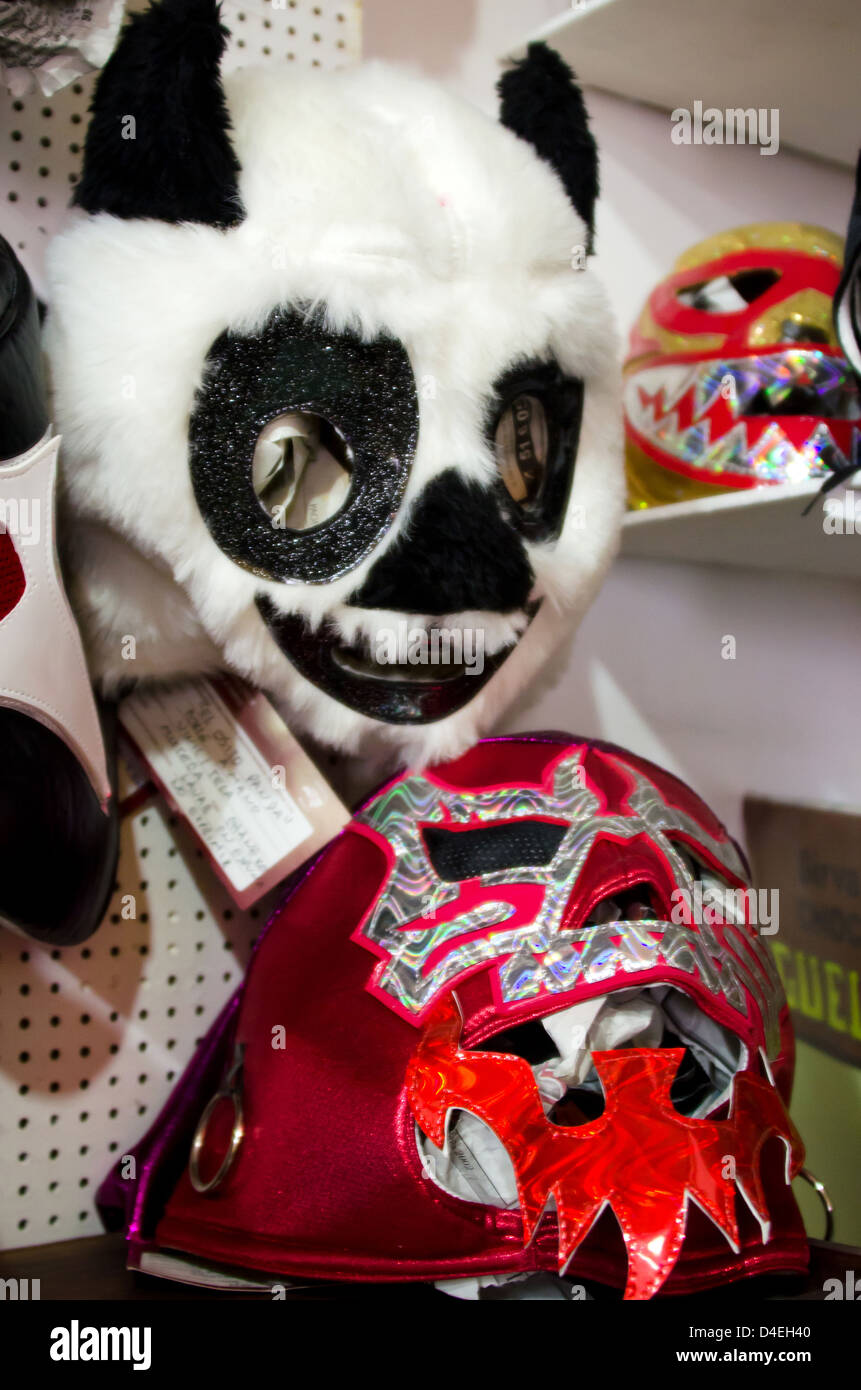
[(180, 167), (458, 553), (542, 103)]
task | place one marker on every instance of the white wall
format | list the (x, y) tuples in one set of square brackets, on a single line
[(646, 670), (647, 667), (457, 41)]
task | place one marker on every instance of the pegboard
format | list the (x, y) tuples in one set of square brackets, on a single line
[(42, 139), (93, 1037)]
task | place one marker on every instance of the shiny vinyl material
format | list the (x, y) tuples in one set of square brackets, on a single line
[(640, 1157), (429, 939)]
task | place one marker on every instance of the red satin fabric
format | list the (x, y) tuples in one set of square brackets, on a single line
[(328, 1181)]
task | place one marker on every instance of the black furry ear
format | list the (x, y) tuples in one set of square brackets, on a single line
[(542, 103), (158, 144)]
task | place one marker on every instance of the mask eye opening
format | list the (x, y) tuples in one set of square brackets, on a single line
[(534, 431), (521, 445), (301, 471), (728, 294), (459, 854)]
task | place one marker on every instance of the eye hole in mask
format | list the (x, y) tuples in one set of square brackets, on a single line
[(728, 294), (521, 448), (301, 440), (535, 430), (301, 470)]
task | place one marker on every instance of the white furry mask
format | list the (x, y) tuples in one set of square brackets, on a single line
[(337, 386)]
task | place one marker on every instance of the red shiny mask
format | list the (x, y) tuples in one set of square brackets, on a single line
[(324, 1177), (640, 1157)]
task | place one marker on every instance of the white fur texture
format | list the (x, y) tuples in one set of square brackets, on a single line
[(392, 206)]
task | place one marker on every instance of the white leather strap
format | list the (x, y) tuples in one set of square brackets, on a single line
[(42, 668)]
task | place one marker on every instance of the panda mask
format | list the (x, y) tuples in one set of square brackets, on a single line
[(336, 383)]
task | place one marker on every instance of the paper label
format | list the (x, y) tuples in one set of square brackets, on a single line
[(227, 763)]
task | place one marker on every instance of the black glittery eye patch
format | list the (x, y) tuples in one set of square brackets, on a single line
[(366, 390)]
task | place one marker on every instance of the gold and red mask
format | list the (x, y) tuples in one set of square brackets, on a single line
[(734, 378)]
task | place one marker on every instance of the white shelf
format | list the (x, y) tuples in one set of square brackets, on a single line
[(760, 529), (801, 59)]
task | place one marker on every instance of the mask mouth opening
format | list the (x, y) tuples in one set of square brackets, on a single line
[(797, 381), (475, 1165), (361, 662), (782, 416), (423, 655)]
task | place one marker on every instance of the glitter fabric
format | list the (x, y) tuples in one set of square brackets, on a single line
[(716, 415), (365, 390), (524, 922)]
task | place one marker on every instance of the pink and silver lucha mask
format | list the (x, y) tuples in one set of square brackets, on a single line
[(336, 382), (511, 1043)]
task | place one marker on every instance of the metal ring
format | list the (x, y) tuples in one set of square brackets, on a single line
[(822, 1193), (237, 1134)]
